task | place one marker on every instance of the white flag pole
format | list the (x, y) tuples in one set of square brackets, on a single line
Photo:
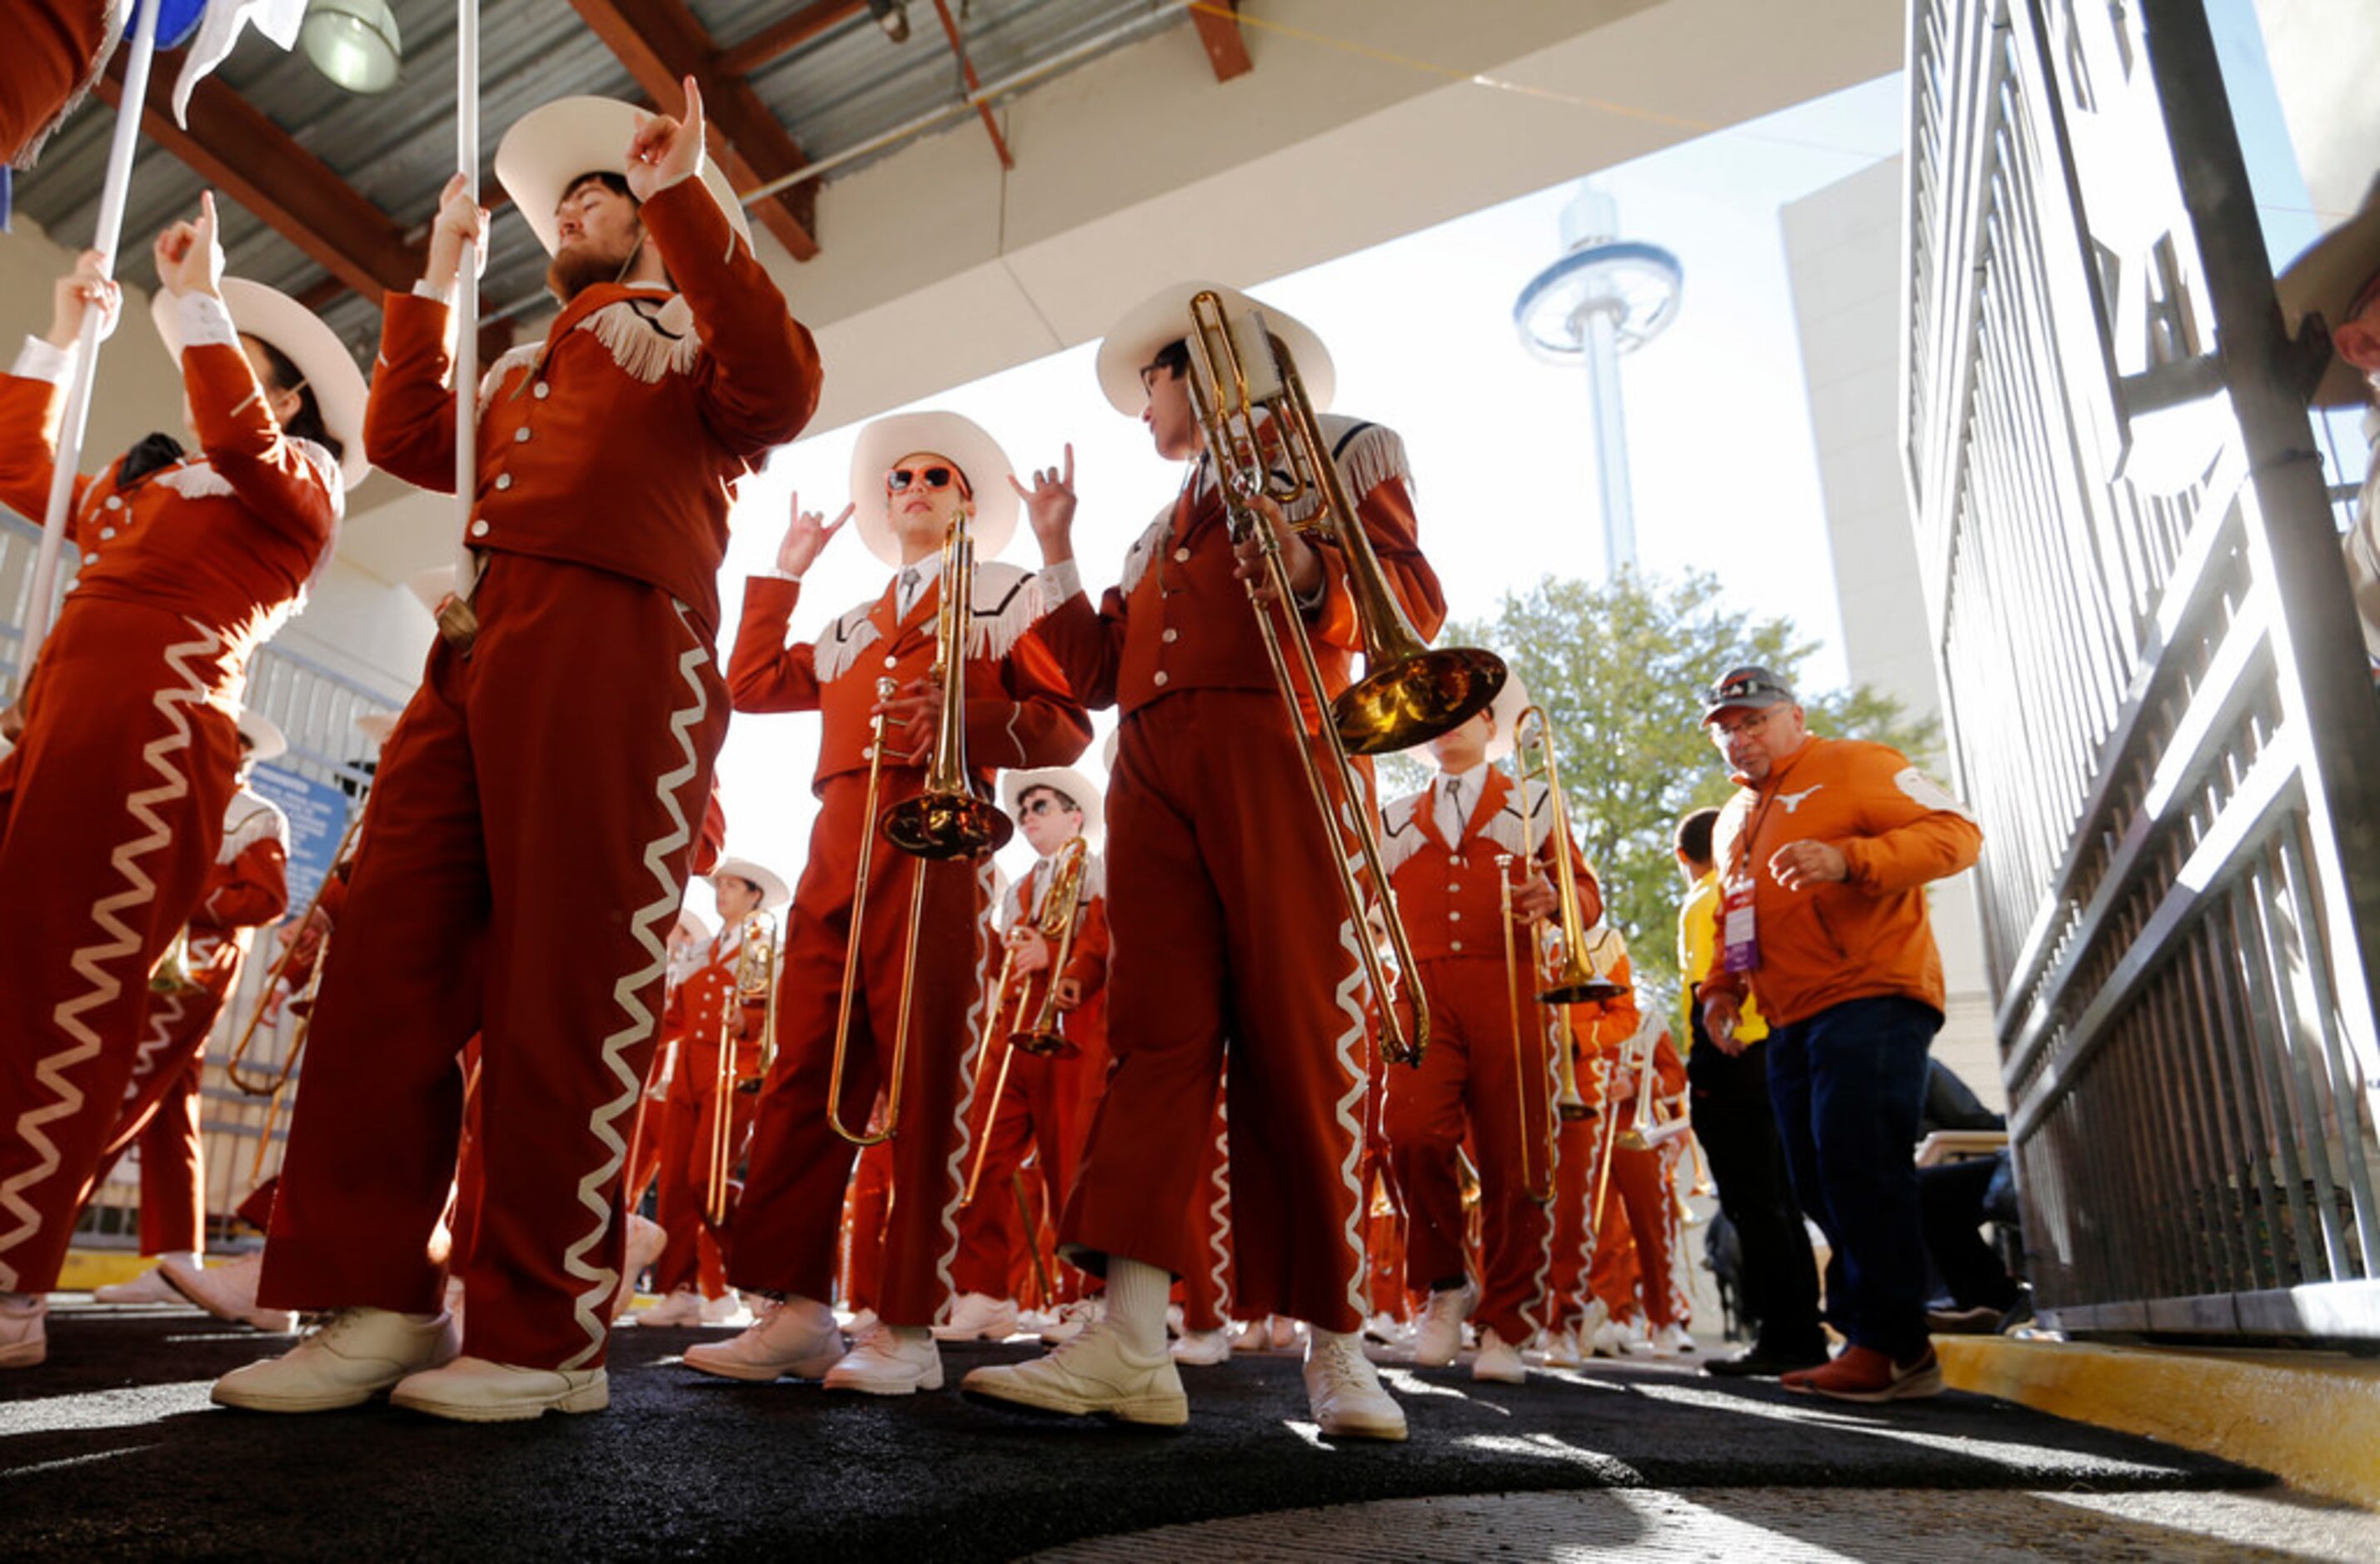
[(458, 623), (117, 180)]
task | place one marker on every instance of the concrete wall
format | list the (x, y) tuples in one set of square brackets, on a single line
[(2325, 59), (1843, 247)]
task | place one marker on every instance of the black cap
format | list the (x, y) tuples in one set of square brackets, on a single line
[(1751, 688)]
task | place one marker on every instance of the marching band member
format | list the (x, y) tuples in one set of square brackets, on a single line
[(1639, 1275), (912, 477), (537, 805), (123, 770), (249, 888), (688, 944), (1477, 1083), (1597, 1030), (1043, 1097), (706, 1008), (1230, 933)]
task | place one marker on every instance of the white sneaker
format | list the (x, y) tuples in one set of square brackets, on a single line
[(1671, 1341), (1498, 1363), (1557, 1349), (1203, 1349), (227, 1292), (24, 1336), (1439, 1338), (796, 1337), (353, 1356), (1618, 1337), (682, 1306), (475, 1391), (885, 1363), (1074, 1319), (646, 1241), (728, 1309), (149, 1287), (1344, 1389), (979, 1316), (1092, 1373), (1386, 1329)]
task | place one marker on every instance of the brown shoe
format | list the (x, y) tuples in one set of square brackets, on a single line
[(1863, 1374)]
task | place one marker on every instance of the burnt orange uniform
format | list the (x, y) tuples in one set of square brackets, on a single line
[(702, 1009), (1596, 1031), (1018, 713), (56, 50), (537, 805), (1230, 931), (1448, 895), (112, 804)]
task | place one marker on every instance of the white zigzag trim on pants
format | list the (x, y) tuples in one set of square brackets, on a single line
[(1533, 1314), (954, 1174), (1219, 1214), (1669, 1158), (591, 1309), (164, 1014), (1349, 997), (89, 962)]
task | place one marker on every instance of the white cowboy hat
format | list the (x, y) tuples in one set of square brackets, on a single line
[(2323, 281), (431, 587), (299, 335), (549, 147), (774, 893), (1015, 785), (265, 739), (376, 726), (1164, 317), (1509, 702), (960, 441)]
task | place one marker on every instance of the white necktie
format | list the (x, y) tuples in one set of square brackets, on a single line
[(1450, 818)]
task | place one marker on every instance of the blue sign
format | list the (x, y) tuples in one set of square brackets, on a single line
[(318, 818)]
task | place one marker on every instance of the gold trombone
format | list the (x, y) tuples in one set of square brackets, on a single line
[(943, 819), (1248, 395), (1574, 979), (1055, 918), (758, 961), (1521, 1073)]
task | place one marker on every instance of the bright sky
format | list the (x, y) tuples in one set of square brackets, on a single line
[(1724, 470)]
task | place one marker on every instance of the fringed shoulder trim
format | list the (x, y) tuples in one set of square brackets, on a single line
[(512, 359), (1007, 601), (251, 819), (839, 643), (1401, 831), (1143, 549), (647, 337)]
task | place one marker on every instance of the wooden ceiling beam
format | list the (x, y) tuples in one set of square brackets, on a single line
[(784, 35), (1218, 30), (248, 158), (662, 41)]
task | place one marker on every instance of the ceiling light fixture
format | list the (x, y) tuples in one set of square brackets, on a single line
[(354, 42), (892, 15)]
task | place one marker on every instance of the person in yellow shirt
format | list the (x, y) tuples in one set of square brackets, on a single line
[(1737, 1126)]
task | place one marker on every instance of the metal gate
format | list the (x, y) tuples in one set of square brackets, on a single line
[(2157, 696)]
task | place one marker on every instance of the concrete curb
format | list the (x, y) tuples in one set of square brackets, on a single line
[(2310, 1418)]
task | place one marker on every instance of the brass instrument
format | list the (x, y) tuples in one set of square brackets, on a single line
[(1539, 1192), (1055, 917), (172, 973), (1575, 981), (756, 959), (1409, 694), (267, 1086), (943, 819)]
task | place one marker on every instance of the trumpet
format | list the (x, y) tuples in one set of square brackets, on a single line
[(1061, 899), (1247, 396), (943, 819), (757, 960)]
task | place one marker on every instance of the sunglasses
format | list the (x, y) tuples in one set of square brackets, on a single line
[(1037, 807), (899, 479)]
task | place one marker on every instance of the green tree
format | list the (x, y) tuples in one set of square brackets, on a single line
[(1620, 667)]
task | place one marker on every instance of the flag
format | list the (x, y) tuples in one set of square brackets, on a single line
[(219, 29)]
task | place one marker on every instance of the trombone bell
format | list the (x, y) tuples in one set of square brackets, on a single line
[(1582, 986), (945, 824), (1414, 697)]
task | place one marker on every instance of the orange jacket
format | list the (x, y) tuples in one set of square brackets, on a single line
[(1447, 894), (55, 49), (1866, 936)]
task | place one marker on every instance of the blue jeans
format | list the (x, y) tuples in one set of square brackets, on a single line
[(1848, 1084)]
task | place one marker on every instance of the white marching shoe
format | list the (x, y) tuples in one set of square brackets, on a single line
[(979, 1316), (728, 1309), (354, 1355), (887, 1362), (682, 1306), (1074, 1319), (475, 1391), (1094, 1373), (1438, 1339), (1344, 1389), (1203, 1349), (646, 1241), (796, 1337), (1671, 1341), (227, 1292), (1557, 1349), (24, 1333), (1498, 1362), (149, 1287), (1619, 1338)]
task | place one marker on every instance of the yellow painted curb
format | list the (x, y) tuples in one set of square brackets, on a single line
[(87, 1268), (2310, 1418)]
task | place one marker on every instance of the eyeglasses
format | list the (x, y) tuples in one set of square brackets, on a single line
[(1752, 724), (899, 480)]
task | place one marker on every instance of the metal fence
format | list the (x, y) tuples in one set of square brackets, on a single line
[(2157, 697), (316, 707)]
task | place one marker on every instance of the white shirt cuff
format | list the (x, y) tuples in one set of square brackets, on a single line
[(774, 573), (204, 320), (425, 289), (1060, 581), (39, 361)]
